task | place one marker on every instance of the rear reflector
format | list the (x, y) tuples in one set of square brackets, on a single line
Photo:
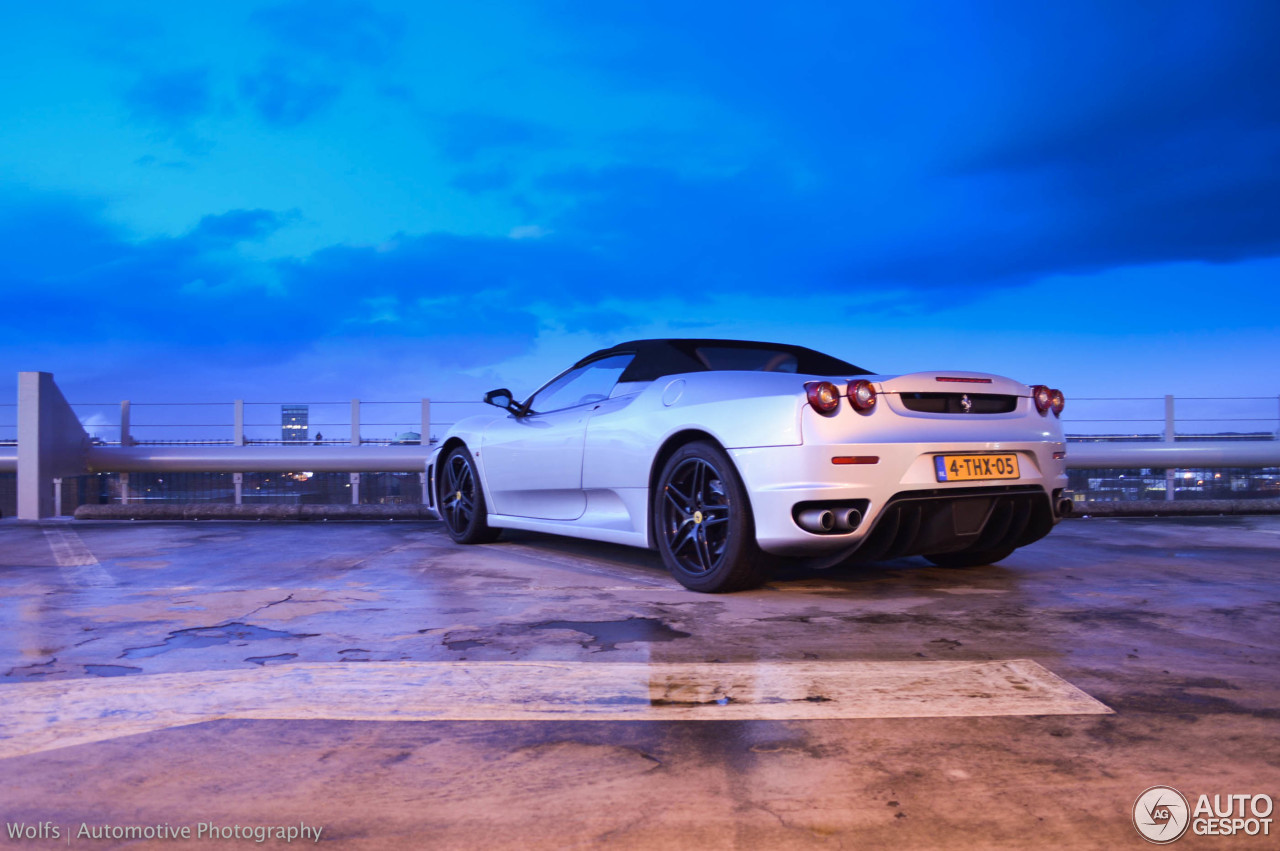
[(964, 380), (856, 459), (1058, 456)]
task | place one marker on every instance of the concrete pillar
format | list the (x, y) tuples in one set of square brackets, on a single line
[(1170, 436), (425, 431), (422, 478), (354, 478), (124, 488), (51, 443), (57, 496), (355, 422), (238, 479)]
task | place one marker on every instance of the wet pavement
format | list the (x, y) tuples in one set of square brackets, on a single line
[(399, 691)]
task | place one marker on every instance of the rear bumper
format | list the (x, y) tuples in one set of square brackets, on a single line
[(901, 491), (982, 519)]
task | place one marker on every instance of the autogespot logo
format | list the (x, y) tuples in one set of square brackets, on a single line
[(1161, 814)]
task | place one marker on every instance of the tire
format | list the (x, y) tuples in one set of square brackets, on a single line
[(702, 522), (970, 558), (461, 499)]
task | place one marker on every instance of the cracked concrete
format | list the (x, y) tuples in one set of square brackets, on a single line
[(1170, 623)]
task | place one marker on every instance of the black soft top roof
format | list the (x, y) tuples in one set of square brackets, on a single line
[(656, 358)]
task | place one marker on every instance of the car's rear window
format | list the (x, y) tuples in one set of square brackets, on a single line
[(656, 358), (718, 358)]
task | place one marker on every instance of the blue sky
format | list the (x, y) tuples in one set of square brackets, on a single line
[(333, 199)]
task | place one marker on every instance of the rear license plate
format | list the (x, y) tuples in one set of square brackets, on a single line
[(972, 468)]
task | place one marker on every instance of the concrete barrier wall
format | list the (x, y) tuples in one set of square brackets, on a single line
[(275, 513), (1176, 508)]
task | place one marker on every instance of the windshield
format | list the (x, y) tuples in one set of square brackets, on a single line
[(581, 385)]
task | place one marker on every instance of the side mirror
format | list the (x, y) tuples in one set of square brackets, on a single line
[(502, 399)]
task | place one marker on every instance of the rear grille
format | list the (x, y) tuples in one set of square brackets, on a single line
[(939, 521), (953, 403)]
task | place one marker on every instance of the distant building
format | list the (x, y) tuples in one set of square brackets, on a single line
[(293, 422)]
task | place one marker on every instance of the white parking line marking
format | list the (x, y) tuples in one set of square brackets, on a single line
[(48, 715), (79, 566)]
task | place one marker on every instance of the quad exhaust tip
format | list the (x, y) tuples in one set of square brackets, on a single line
[(823, 521), (1065, 507), (817, 520), (847, 519)]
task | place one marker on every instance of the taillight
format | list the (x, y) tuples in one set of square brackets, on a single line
[(1043, 397), (823, 395), (1057, 401), (862, 395)]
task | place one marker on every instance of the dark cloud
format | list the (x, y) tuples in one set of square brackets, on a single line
[(284, 95), (171, 100), (1132, 75), (317, 45), (336, 31), (65, 268), (467, 136), (459, 301), (752, 231), (237, 226), (50, 239), (1153, 138), (1166, 200), (964, 146), (603, 321), (493, 271)]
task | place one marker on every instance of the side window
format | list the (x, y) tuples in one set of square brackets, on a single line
[(585, 385)]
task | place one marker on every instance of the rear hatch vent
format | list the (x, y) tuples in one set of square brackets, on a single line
[(955, 403)]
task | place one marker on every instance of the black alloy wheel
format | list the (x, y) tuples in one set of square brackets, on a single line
[(461, 499), (702, 521)]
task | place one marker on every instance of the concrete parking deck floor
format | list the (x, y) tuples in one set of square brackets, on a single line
[(398, 691)]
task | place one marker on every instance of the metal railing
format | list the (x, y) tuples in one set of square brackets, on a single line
[(1178, 447), (240, 423), (1171, 445), (1103, 419), (1113, 419)]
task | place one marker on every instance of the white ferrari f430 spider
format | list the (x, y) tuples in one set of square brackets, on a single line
[(725, 455)]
